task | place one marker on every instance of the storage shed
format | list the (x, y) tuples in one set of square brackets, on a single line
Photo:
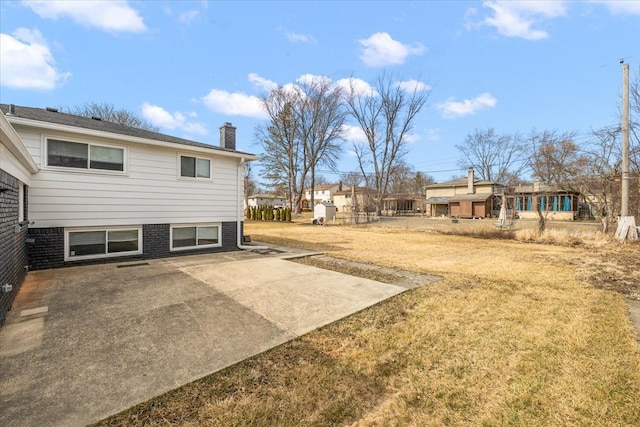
[(324, 211)]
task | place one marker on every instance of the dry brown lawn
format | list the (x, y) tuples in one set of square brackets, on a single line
[(514, 334)]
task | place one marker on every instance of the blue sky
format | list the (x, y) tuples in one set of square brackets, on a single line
[(189, 66)]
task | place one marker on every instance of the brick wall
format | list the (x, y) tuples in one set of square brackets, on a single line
[(156, 241), (46, 249), (12, 242)]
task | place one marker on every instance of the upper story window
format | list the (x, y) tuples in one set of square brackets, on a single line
[(195, 167), (79, 155)]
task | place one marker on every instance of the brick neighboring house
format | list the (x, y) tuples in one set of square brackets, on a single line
[(463, 198), (77, 190)]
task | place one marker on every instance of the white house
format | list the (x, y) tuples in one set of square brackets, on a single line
[(85, 190), (322, 193), (265, 199)]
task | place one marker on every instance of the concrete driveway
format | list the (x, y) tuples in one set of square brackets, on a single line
[(83, 343)]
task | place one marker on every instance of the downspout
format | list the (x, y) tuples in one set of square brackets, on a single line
[(239, 212)]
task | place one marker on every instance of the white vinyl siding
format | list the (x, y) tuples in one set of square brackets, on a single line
[(195, 236), (148, 193), (81, 155), (102, 243)]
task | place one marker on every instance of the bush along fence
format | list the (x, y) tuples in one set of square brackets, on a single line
[(267, 213)]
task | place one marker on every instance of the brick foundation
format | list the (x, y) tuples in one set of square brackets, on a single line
[(46, 249), (13, 247)]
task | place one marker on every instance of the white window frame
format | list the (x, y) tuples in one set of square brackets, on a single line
[(197, 225), (67, 249), (88, 169), (199, 178)]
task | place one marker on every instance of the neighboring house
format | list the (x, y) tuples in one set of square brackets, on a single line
[(555, 203), (357, 199), (322, 193), (78, 190), (403, 204), (464, 198), (265, 199)]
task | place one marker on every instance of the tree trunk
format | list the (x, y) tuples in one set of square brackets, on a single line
[(542, 221)]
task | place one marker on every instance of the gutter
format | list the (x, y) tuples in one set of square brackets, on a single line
[(239, 213)]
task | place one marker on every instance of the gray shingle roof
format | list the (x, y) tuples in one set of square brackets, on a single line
[(438, 200), (44, 115), (472, 197), (462, 182)]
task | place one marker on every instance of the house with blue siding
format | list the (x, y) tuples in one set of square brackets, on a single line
[(77, 190)]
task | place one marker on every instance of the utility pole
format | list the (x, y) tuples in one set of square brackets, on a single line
[(626, 224), (624, 211)]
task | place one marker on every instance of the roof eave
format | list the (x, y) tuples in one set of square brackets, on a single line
[(127, 138), (16, 146)]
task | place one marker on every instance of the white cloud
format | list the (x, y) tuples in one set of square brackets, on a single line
[(520, 18), (297, 37), (108, 15), (354, 134), (381, 50), (27, 63), (433, 134), (261, 82), (453, 109), (234, 104), (311, 79), (412, 138), (188, 16), (160, 117), (360, 87), (621, 7), (414, 85)]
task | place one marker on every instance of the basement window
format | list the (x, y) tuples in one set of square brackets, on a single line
[(195, 236), (102, 243)]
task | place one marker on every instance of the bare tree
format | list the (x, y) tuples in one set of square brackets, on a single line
[(603, 170), (406, 180), (352, 179), (304, 131), (250, 184), (386, 117), (320, 113), (493, 157), (283, 157), (555, 159), (109, 113)]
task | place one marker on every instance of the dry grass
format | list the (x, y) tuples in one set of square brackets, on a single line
[(514, 334)]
